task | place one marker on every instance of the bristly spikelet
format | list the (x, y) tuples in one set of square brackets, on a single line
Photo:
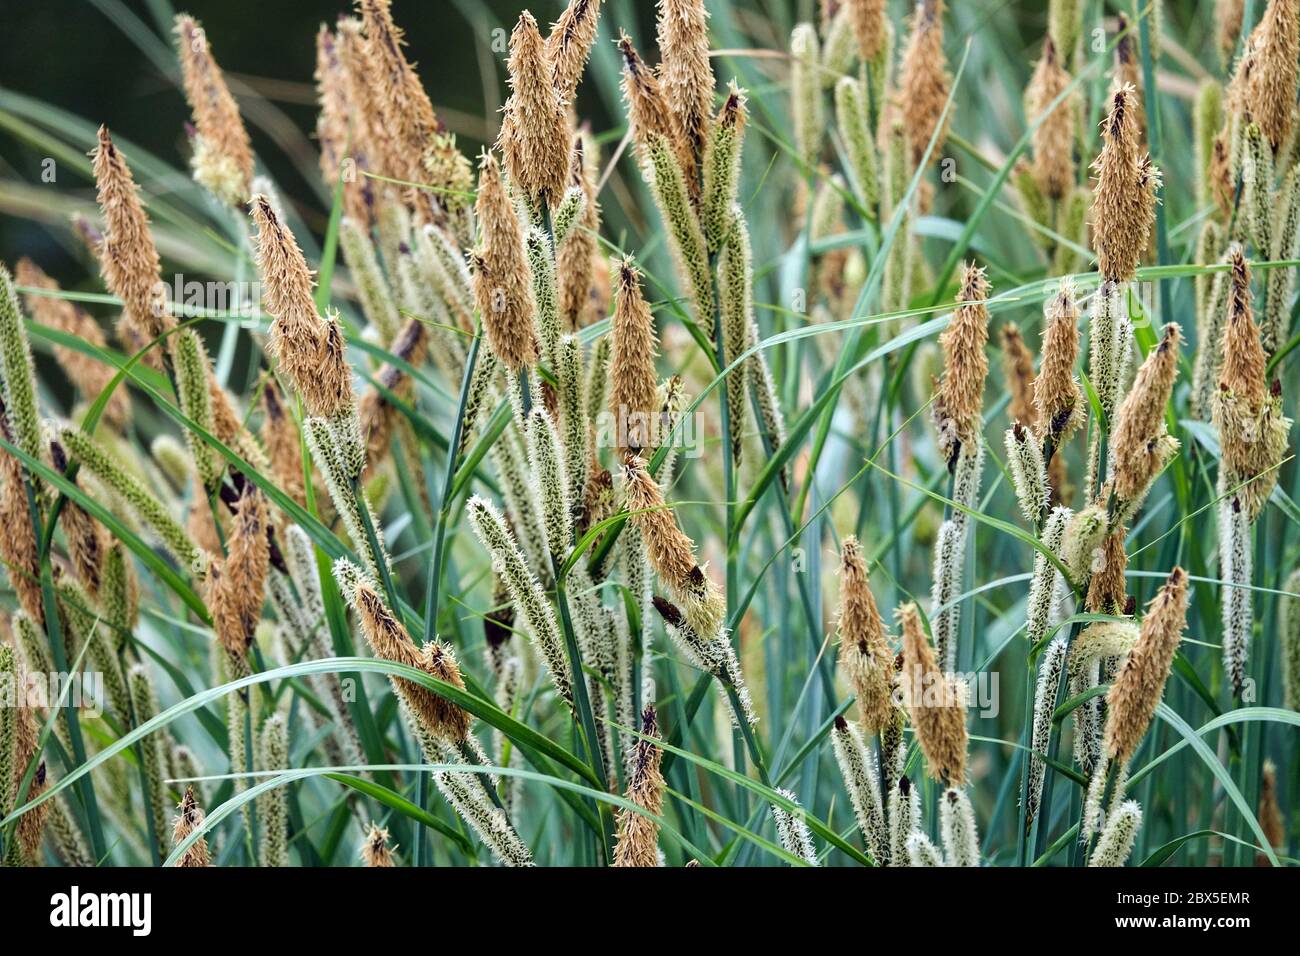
[(1124, 204), (792, 831), (17, 374), (1117, 837), (1057, 396), (634, 385), (1137, 454), (575, 430), (722, 167), (190, 367), (376, 297), (339, 129), (1207, 120), (958, 829), (89, 375), (959, 402), (1045, 697), (535, 130), (273, 806), (865, 654), (144, 704), (186, 822), (858, 768), (525, 592), (904, 817), (1271, 86), (503, 290), (309, 349), (1290, 627), (1131, 701), (1280, 284), (1028, 472), (388, 638), (851, 116), (127, 256), (1065, 25), (1018, 370), (552, 492), (223, 156), (687, 78), (839, 45), (1107, 593), (924, 81), (806, 95), (935, 701), (1236, 570), (141, 499), (1248, 415), (735, 304), (1053, 140), (638, 834)]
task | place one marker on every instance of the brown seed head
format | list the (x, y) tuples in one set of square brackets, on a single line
[(1132, 699), (128, 258), (925, 81), (502, 284), (1271, 90), (237, 586), (283, 445), (638, 835), (647, 108), (865, 653), (1018, 368), (1270, 816), (340, 128), (1140, 420), (569, 44), (868, 26), (575, 260), (375, 850), (1107, 593), (687, 78), (187, 821), (387, 637), (534, 138), (960, 399), (18, 547), (1057, 397), (1124, 203), (309, 349), (1054, 138), (634, 389), (223, 156), (935, 701)]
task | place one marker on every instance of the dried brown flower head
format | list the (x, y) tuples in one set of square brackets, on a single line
[(223, 155), (935, 701), (1140, 419), (375, 850), (578, 261), (1271, 88), (687, 79), (1057, 395), (569, 44), (1107, 593), (1124, 203), (959, 403), (502, 284), (341, 130), (634, 386), (1131, 701), (924, 81), (534, 138), (638, 835), (1053, 140), (187, 821), (865, 653), (128, 258), (647, 108), (237, 585), (1018, 369), (309, 349), (868, 26)]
